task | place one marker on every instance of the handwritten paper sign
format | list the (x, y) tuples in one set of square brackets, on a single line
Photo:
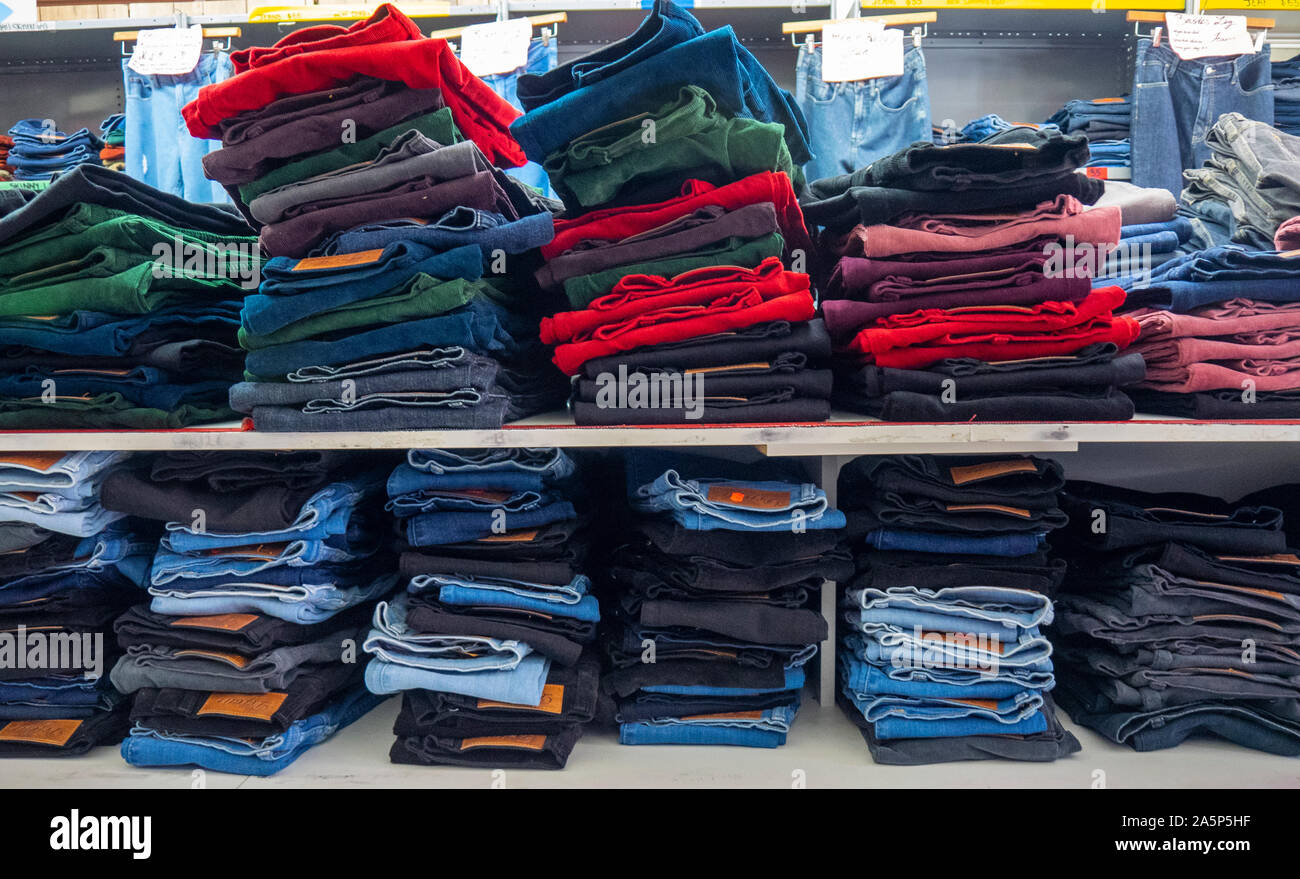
[(1201, 36), (496, 47), (857, 49), (168, 51)]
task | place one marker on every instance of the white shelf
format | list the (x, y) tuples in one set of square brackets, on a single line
[(823, 746), (845, 435)]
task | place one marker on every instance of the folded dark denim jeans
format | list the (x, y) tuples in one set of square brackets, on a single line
[(569, 696), (1081, 404), (693, 673), (1023, 481), (557, 637), (1007, 157), (972, 379), (1218, 405), (734, 547), (100, 334), (466, 408), (890, 570), (1251, 725), (748, 622), (199, 712), (894, 510), (471, 371), (436, 529), (1052, 744), (459, 227), (246, 634), (476, 327), (867, 205), (939, 542), (1109, 618), (33, 738), (188, 668), (761, 342), (539, 751), (1134, 518), (705, 575)]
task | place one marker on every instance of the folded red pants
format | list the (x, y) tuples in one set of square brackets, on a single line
[(640, 294), (615, 224), (793, 307), (480, 113), (387, 24)]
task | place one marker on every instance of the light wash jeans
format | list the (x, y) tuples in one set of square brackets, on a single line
[(160, 150)]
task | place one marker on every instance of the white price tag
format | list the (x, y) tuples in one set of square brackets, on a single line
[(496, 47), (856, 49), (168, 51), (1200, 36)]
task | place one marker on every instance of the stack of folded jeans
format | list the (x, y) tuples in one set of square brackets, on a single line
[(1144, 247), (488, 645), (41, 152), (1247, 187), (397, 296), (248, 652), (119, 306), (1105, 122), (944, 658), (1286, 95), (1178, 620), (963, 287), (714, 600), (1219, 329), (68, 567), (674, 152), (113, 132)]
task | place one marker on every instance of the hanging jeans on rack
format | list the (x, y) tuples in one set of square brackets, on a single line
[(851, 124), (1176, 102), (160, 150), (542, 57)]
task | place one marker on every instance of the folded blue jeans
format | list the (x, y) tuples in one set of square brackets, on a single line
[(1007, 545), (294, 604), (521, 685), (149, 747)]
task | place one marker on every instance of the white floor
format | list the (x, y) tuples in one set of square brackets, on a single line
[(824, 750)]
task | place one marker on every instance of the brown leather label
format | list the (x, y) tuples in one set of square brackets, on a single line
[(511, 537), (338, 261), (750, 498), (552, 701), (259, 706), (529, 743), (989, 470), (40, 732), (233, 658), (42, 461), (726, 715), (226, 622), (996, 508)]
